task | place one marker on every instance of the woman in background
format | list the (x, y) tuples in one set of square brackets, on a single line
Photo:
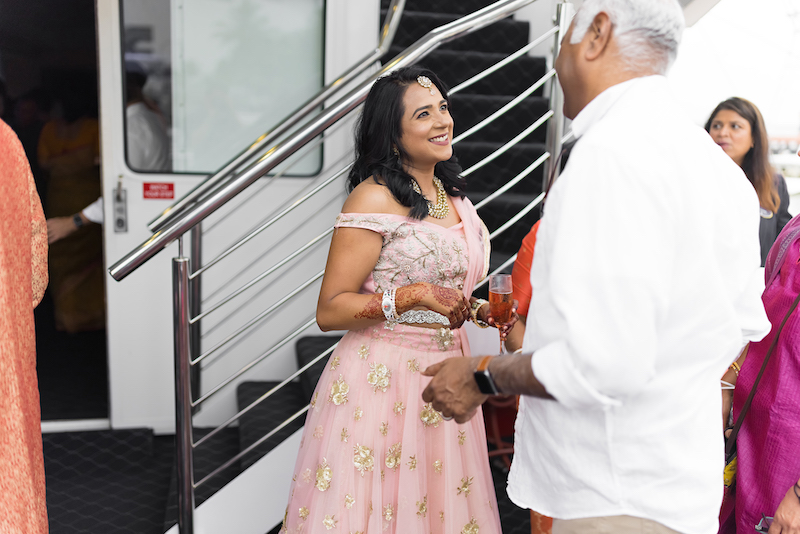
[(736, 125)]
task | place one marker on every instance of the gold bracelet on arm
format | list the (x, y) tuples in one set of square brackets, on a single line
[(736, 368), (474, 312)]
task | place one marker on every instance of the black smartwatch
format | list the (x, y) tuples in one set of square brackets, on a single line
[(484, 378), (77, 220)]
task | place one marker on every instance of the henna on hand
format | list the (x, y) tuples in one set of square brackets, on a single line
[(445, 297), (373, 309), (408, 297)]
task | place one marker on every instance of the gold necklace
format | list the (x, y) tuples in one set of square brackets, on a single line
[(441, 209)]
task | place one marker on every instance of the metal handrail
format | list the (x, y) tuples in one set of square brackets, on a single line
[(283, 149), (333, 89)]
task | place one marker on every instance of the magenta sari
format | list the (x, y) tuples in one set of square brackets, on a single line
[(768, 445)]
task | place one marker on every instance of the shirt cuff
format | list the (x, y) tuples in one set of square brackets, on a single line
[(94, 211), (554, 368)]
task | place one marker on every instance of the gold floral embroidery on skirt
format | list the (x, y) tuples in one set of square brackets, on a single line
[(462, 437), (393, 456), (363, 352), (429, 416), (345, 435), (378, 377), (422, 507), (324, 475), (413, 365), (318, 432), (465, 486), (339, 391), (334, 363), (363, 459), (349, 501), (399, 407), (471, 527), (303, 513), (412, 462), (358, 413), (444, 338), (330, 522), (384, 429), (388, 512), (437, 467)]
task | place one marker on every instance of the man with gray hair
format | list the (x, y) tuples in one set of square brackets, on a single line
[(645, 289)]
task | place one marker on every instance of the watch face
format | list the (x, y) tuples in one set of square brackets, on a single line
[(485, 383)]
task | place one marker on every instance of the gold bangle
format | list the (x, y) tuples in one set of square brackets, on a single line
[(736, 368), (474, 312)]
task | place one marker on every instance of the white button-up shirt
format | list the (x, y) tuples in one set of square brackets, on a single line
[(646, 285)]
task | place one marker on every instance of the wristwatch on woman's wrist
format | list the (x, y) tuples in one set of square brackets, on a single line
[(484, 378), (77, 220)]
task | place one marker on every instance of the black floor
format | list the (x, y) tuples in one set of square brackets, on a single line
[(72, 369)]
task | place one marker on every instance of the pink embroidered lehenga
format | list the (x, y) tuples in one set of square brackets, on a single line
[(374, 457)]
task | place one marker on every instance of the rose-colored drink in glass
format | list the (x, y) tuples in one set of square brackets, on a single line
[(501, 300)]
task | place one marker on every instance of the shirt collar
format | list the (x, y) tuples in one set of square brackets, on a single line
[(597, 108)]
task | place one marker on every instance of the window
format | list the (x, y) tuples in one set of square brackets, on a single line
[(214, 76)]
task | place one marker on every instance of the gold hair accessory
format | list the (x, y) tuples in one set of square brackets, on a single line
[(440, 210), (425, 82)]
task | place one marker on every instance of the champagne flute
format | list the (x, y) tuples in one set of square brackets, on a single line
[(500, 301)]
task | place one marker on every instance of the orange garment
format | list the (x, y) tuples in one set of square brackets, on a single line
[(71, 154), (23, 278), (521, 273)]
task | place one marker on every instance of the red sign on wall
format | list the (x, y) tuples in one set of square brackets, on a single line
[(159, 190)]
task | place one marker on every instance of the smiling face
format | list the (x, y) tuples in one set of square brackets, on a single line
[(427, 127), (733, 133)]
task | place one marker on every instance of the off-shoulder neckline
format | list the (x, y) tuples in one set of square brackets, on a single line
[(405, 218)]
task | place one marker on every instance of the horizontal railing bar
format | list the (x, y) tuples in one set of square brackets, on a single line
[(567, 137), (255, 362), (259, 317), (505, 61), (269, 223), (503, 149), (389, 30), (283, 149), (513, 220), (263, 275), (265, 396), (500, 112), (511, 183), (505, 264), (246, 451)]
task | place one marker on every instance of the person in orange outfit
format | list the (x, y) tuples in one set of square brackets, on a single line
[(23, 278)]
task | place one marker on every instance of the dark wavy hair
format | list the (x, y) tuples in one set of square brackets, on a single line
[(756, 162), (378, 132)]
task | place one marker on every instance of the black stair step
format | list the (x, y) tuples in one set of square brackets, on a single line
[(306, 350), (96, 451), (504, 36), (454, 67), (461, 7), (267, 415), (469, 110), (498, 212), (499, 171), (207, 457)]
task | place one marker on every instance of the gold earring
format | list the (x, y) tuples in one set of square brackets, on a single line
[(396, 152)]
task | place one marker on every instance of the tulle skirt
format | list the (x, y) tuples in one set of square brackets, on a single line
[(375, 458)]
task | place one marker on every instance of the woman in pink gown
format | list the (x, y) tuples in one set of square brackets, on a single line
[(374, 457)]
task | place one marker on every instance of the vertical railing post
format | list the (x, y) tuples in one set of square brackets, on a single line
[(183, 395), (195, 294), (555, 126)]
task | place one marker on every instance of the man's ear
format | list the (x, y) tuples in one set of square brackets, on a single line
[(599, 36)]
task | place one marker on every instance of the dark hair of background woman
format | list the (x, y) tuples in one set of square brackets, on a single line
[(756, 162), (378, 132)]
